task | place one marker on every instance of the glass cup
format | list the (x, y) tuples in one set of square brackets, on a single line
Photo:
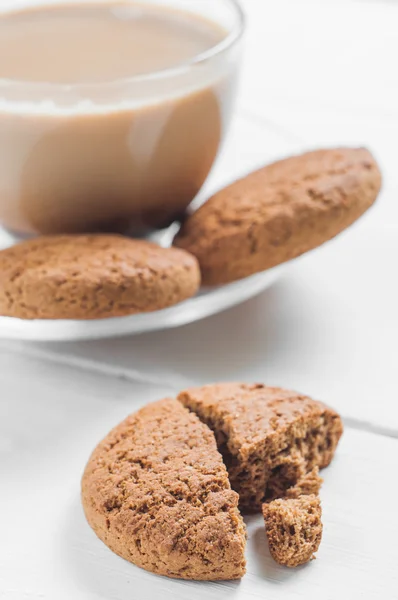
[(127, 155)]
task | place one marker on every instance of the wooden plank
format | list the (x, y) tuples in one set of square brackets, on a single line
[(51, 418)]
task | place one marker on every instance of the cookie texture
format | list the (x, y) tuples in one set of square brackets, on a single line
[(92, 277), (157, 493), (309, 484), (270, 438), (294, 529), (280, 212)]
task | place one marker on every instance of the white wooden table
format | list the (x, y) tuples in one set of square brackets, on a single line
[(315, 73)]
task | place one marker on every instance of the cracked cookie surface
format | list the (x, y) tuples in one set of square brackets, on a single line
[(270, 438), (280, 212), (157, 493)]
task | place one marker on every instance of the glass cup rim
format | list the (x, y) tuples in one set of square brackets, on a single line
[(233, 37)]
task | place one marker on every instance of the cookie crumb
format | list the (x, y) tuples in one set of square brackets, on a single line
[(309, 484), (294, 529)]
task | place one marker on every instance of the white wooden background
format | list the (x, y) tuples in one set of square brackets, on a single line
[(315, 73)]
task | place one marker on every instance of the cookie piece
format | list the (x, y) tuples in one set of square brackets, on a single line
[(294, 529), (157, 493), (309, 484), (269, 437), (92, 277), (279, 212)]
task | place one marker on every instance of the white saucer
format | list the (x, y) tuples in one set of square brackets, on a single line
[(206, 303)]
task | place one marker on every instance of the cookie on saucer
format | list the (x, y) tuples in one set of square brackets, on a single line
[(280, 212), (93, 277)]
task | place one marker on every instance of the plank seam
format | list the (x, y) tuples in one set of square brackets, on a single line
[(175, 383)]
